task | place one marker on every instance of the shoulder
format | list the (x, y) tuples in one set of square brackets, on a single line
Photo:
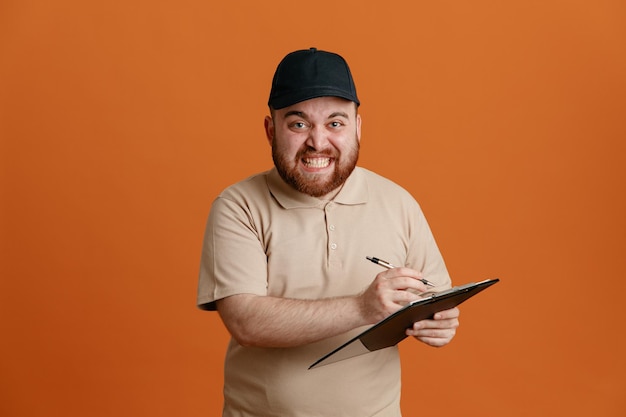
[(377, 184), (388, 197), (253, 187), (241, 199)]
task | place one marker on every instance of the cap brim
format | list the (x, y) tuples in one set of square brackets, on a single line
[(308, 94)]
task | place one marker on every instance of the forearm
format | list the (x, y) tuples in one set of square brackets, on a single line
[(263, 321)]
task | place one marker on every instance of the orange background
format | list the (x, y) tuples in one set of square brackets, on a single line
[(120, 122)]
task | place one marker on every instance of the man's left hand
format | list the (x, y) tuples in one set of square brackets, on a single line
[(439, 331)]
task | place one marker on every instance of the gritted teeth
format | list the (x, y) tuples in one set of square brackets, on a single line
[(316, 162)]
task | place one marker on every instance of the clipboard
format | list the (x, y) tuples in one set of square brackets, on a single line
[(391, 330)]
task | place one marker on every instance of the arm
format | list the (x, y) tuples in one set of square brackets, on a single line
[(424, 255), (264, 321)]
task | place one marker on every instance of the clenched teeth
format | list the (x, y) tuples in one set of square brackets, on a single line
[(316, 162)]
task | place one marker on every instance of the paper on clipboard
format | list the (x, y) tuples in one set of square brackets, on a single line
[(391, 330)]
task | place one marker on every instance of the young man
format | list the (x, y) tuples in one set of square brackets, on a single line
[(284, 261)]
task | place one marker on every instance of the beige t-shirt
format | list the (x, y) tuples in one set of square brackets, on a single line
[(265, 238)]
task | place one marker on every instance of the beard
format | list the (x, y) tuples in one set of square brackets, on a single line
[(312, 184)]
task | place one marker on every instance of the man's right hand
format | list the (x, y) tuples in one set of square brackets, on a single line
[(389, 292)]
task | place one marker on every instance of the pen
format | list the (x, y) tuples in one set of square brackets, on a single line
[(389, 266)]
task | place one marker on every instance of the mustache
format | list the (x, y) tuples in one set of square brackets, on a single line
[(306, 152)]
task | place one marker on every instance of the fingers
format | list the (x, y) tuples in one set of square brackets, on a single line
[(452, 313), (400, 290), (391, 290), (439, 331), (438, 340), (433, 336), (404, 279)]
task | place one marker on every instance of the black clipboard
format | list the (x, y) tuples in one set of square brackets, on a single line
[(391, 330)]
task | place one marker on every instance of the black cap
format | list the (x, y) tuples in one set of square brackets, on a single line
[(309, 73)]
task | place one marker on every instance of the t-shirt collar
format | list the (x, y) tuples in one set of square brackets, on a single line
[(354, 191)]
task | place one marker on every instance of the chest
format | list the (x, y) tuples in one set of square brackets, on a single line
[(320, 252)]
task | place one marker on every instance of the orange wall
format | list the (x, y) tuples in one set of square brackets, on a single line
[(120, 122)]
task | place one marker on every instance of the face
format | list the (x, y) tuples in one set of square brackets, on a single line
[(315, 143)]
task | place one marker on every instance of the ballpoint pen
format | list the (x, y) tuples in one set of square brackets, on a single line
[(389, 266)]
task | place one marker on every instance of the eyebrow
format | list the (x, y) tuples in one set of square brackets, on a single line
[(339, 114), (303, 115), (294, 113)]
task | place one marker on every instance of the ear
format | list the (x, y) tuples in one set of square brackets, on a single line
[(358, 127), (269, 129)]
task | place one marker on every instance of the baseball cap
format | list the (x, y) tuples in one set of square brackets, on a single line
[(311, 73)]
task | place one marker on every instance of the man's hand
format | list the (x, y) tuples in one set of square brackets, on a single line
[(389, 292), (439, 331)]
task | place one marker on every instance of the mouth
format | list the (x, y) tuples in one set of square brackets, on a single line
[(316, 163)]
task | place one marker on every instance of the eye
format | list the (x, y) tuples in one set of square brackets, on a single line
[(297, 125), (335, 124)]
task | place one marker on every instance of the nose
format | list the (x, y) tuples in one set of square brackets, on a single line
[(317, 138)]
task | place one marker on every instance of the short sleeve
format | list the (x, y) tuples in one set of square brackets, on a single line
[(233, 260)]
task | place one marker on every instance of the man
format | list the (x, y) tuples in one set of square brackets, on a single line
[(284, 258)]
